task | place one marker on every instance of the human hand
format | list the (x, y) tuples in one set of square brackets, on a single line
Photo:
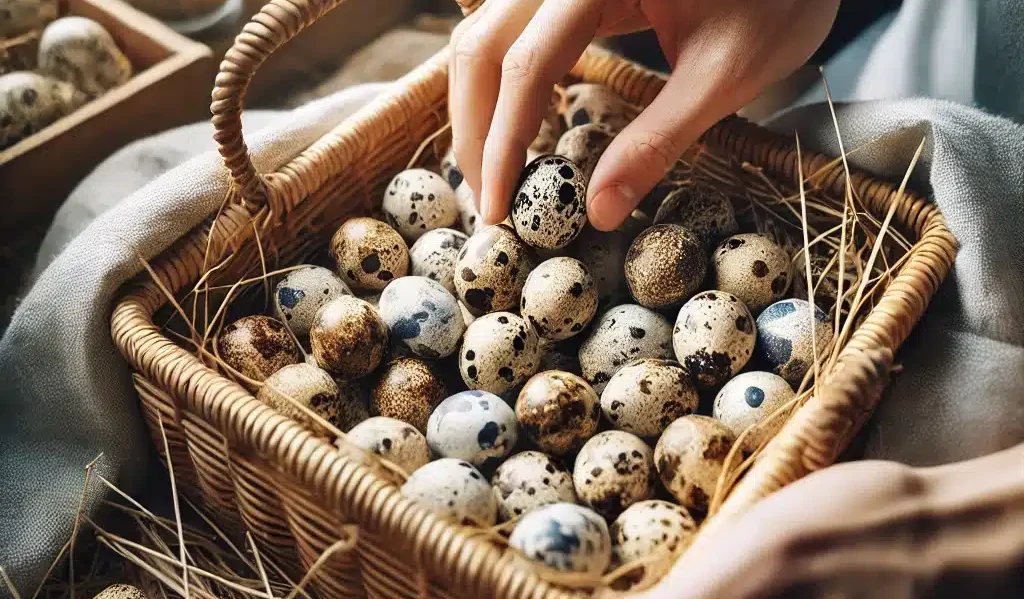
[(510, 53)]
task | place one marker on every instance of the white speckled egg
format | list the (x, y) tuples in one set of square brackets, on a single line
[(121, 591), (417, 201), (21, 16), (620, 335), (453, 489), (700, 207), (594, 103), (394, 440), (423, 315), (749, 399), (369, 254), (558, 411), (649, 527), (550, 204), (785, 340), (492, 269), (753, 268), (300, 294), (565, 537), (530, 480), (303, 385), (80, 51), (257, 346), (434, 256), (559, 298), (646, 396), (499, 352), (714, 337), (604, 253), (29, 102), (690, 456), (348, 337), (664, 266), (584, 145), (475, 426), (614, 470)]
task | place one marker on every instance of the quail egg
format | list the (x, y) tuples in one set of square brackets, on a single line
[(614, 470), (353, 404), (558, 411), (80, 51), (394, 440), (598, 104), (550, 204), (298, 388), (455, 490), (664, 266), (21, 16), (714, 337), (434, 256), (475, 426), (491, 271), (565, 537), (749, 399), (530, 480), (408, 390), (369, 254), (257, 347), (650, 527), (559, 298), (603, 254), (584, 145), (499, 352), (753, 268), (300, 294), (121, 591), (620, 335), (348, 337), (417, 201), (465, 201), (690, 456), (785, 340), (29, 102), (423, 315), (646, 396), (700, 207)]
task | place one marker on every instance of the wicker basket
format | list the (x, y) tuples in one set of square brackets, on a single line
[(295, 492)]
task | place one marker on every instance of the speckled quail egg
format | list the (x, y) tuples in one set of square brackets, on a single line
[(491, 271), (303, 385), (348, 337), (785, 340), (21, 16), (664, 266), (714, 337), (257, 346), (700, 207), (649, 527), (645, 396), (690, 456), (550, 204), (369, 253), (565, 537), (753, 268), (80, 51), (620, 335), (423, 315), (394, 440), (300, 294), (434, 256), (584, 145), (353, 404), (29, 102), (121, 591), (749, 399), (475, 426), (593, 103), (558, 411), (465, 200), (499, 351), (603, 254), (455, 490), (417, 201), (530, 480), (614, 470), (408, 390), (559, 298)]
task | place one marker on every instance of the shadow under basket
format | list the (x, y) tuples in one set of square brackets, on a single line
[(298, 494)]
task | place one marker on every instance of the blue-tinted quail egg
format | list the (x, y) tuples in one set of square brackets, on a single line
[(423, 315), (417, 201), (434, 256), (300, 294), (713, 337), (786, 340), (475, 426), (748, 400), (549, 208), (566, 537), (453, 489)]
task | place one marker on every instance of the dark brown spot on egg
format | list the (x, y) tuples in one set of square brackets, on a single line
[(759, 269)]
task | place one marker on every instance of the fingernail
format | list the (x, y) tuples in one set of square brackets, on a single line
[(610, 207)]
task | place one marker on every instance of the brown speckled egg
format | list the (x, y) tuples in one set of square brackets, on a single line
[(530, 480), (648, 528), (646, 396), (664, 266), (29, 102), (714, 337), (700, 207), (584, 146), (417, 201), (559, 298), (408, 390), (434, 256), (594, 103), (753, 268), (23, 16), (80, 51), (369, 253), (303, 385), (491, 271), (121, 591), (550, 203), (257, 346), (558, 411), (499, 351), (453, 489), (353, 404), (614, 470), (749, 399), (690, 456), (348, 337), (620, 335), (300, 293), (393, 440), (603, 254)]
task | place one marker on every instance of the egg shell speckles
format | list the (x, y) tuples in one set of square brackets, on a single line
[(749, 399), (307, 386), (700, 207), (603, 254), (753, 268), (394, 440), (714, 337), (559, 298), (434, 256), (645, 396), (453, 489), (558, 411), (22, 16), (784, 338), (499, 352), (614, 470), (648, 527), (492, 269), (369, 254), (593, 103), (417, 201), (690, 455), (353, 404), (530, 480), (348, 337), (549, 207), (423, 315), (121, 591), (475, 426), (302, 292), (565, 537), (664, 266), (620, 335), (257, 346), (80, 51), (408, 390), (29, 102), (584, 145)]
